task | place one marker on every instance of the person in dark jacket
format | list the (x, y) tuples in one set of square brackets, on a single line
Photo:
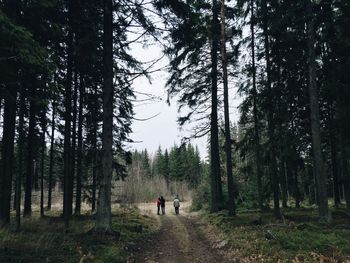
[(162, 204)]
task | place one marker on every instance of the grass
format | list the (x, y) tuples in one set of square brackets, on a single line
[(45, 239), (255, 237)]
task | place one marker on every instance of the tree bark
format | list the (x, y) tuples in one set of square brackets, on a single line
[(9, 94), (228, 149), (42, 166), (52, 142), (271, 123), (27, 212), (344, 170), (216, 197), (296, 188), (255, 112), (333, 146), (74, 141), (20, 157), (321, 180), (80, 148), (67, 206), (104, 215), (94, 158), (7, 154), (284, 182)]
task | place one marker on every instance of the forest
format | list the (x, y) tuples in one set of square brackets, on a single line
[(276, 179)]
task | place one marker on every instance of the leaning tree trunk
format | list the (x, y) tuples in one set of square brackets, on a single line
[(104, 215), (321, 180), (228, 149)]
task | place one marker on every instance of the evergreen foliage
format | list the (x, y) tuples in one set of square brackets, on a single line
[(67, 73), (180, 163)]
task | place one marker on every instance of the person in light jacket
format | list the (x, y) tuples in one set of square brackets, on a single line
[(176, 204)]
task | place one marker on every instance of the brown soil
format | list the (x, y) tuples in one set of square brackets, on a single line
[(179, 239)]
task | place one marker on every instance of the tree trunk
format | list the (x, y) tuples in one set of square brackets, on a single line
[(271, 124), (214, 133), (94, 180), (0, 110), (49, 197), (333, 146), (344, 171), (284, 182), (9, 93), (21, 135), (74, 141), (67, 205), (42, 166), (94, 160), (321, 180), (36, 171), (7, 154), (296, 188), (228, 149), (80, 148), (27, 212), (104, 215), (255, 111)]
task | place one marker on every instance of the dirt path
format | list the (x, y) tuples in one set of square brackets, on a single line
[(178, 240)]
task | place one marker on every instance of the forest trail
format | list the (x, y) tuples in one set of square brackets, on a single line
[(178, 239)]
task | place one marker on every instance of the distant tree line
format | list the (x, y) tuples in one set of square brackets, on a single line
[(180, 163)]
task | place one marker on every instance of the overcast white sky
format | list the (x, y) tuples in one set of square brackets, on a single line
[(163, 129)]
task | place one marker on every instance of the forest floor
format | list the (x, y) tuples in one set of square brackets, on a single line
[(179, 239), (248, 237), (147, 237), (45, 239)]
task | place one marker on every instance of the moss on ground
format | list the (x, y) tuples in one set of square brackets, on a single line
[(255, 237), (45, 239)]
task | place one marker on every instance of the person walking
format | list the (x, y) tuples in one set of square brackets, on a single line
[(176, 204), (162, 204), (158, 206)]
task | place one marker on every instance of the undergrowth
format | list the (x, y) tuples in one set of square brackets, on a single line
[(298, 237), (45, 239)]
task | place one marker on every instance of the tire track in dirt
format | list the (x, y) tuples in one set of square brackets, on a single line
[(177, 240)]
